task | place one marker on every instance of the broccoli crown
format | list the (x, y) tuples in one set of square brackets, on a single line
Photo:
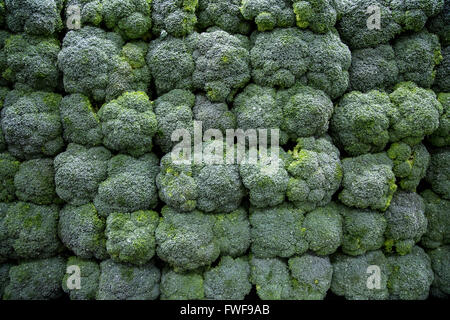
[(89, 278), (361, 122), (440, 263), (442, 81), (186, 240), (438, 228), (284, 56), (368, 181), (416, 56), (412, 15), (186, 285), (315, 172), (410, 275), (406, 222), (438, 174), (31, 124), (176, 17), (32, 230), (130, 185), (4, 276), (36, 280), (224, 14), (80, 122), (9, 166), (232, 232), (32, 60), (130, 18), (126, 282), (440, 24), (131, 236), (79, 171), (213, 115), (277, 231), (268, 14), (34, 182), (38, 17), (318, 15), (81, 230), (90, 11), (6, 243), (128, 123), (351, 276)]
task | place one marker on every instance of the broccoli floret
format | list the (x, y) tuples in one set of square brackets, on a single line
[(268, 14), (316, 172), (34, 182), (442, 82), (130, 18), (4, 277), (440, 263), (363, 230), (81, 230), (36, 280), (39, 17), (368, 181), (318, 15), (181, 285), (352, 276), (130, 185), (224, 14), (406, 222), (438, 174), (186, 240), (213, 115), (90, 11), (229, 280), (361, 122), (128, 123), (440, 24), (176, 17), (89, 278), (6, 243), (413, 15), (410, 275), (131, 236), (79, 171), (9, 166), (277, 231), (4, 36), (232, 231), (373, 68), (126, 282), (33, 230), (437, 213), (31, 124), (80, 122)]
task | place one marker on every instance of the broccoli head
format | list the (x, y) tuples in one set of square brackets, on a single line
[(6, 243), (176, 17), (441, 137), (437, 213), (9, 166), (89, 278), (318, 15), (268, 14), (440, 24), (186, 285), (438, 174), (232, 232), (90, 11), (440, 263), (442, 82), (224, 14), (413, 15), (213, 115)]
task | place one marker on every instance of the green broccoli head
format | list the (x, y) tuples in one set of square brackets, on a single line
[(268, 14), (361, 122), (410, 275), (440, 24), (315, 171), (128, 123), (352, 276), (36, 280), (232, 232), (90, 11), (131, 236), (82, 231), (440, 263), (438, 174), (213, 115), (6, 243), (186, 241), (34, 182), (130, 185), (442, 82), (318, 15), (38, 17), (79, 171), (224, 14), (9, 166), (186, 285), (438, 228), (277, 231), (368, 181), (33, 230), (4, 277), (176, 17), (412, 15), (89, 278), (126, 282), (31, 124), (406, 222), (130, 18)]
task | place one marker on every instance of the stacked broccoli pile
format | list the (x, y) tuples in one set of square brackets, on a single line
[(125, 126)]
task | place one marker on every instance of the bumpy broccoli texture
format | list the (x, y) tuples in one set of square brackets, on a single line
[(90, 11), (89, 278), (186, 285), (441, 137), (318, 15), (440, 263), (176, 17), (438, 174), (438, 228), (9, 166), (224, 14), (268, 14)]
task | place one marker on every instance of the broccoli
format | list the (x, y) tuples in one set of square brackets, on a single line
[(442, 82), (368, 181), (232, 232), (36, 280), (31, 124), (224, 14), (319, 15), (186, 241), (34, 182), (81, 230), (126, 282), (268, 14), (181, 285), (9, 166), (229, 280), (352, 276), (89, 278), (176, 17), (6, 243), (315, 171), (440, 24), (131, 236), (2, 24), (213, 115), (412, 15), (440, 263), (130, 185), (437, 213), (79, 171), (128, 123), (4, 276), (438, 174), (410, 275), (90, 11), (4, 36)]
